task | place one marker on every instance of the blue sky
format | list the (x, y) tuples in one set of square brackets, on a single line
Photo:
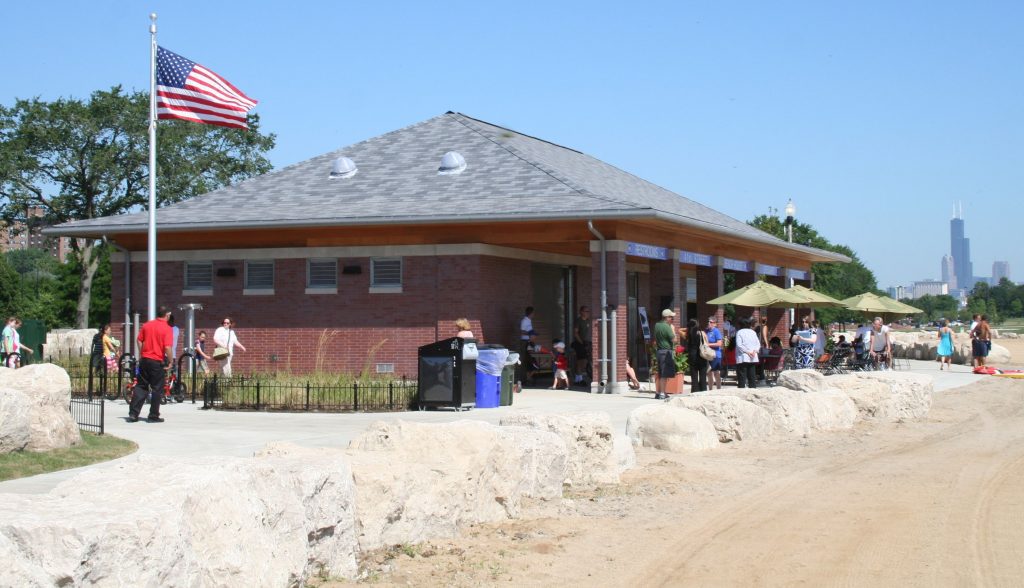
[(874, 117)]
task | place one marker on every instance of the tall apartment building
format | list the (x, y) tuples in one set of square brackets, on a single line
[(1000, 270), (19, 237), (933, 287)]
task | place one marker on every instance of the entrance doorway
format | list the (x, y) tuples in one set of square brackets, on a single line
[(553, 301)]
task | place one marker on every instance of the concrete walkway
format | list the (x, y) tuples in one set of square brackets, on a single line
[(190, 431)]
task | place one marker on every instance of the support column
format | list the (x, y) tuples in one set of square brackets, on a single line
[(710, 284), (778, 318), (617, 310), (745, 279)]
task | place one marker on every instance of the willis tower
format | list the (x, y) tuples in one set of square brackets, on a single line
[(960, 250)]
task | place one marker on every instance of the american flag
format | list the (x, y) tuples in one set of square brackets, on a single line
[(188, 91)]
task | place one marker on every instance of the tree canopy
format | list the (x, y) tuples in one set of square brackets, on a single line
[(838, 280), (71, 160)]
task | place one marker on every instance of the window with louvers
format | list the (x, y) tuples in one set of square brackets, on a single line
[(259, 275), (323, 273), (386, 272), (199, 275)]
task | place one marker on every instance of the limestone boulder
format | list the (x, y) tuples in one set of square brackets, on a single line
[(998, 354), (670, 428), (589, 439), (15, 419), (170, 522), (789, 409), (47, 389), (831, 410), (806, 380), (734, 419), (888, 395), (416, 482), (69, 342)]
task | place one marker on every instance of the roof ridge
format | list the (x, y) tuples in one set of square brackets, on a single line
[(543, 168)]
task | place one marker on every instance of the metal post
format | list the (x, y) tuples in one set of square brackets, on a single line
[(604, 306), (355, 396), (151, 312), (190, 309), (610, 387), (135, 336)]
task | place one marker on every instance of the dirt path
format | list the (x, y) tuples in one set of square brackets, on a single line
[(934, 502)]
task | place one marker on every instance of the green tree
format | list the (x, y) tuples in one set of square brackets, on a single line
[(11, 292), (77, 160), (839, 280)]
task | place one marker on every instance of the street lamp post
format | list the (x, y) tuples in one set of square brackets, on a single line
[(790, 213)]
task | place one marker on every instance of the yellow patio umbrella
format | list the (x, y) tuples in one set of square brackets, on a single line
[(899, 307), (760, 294), (867, 302), (815, 299)]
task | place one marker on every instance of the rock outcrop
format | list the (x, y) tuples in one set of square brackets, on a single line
[(791, 414), (734, 419), (831, 410), (670, 427), (40, 398)]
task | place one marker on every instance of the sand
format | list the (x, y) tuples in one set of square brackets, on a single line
[(931, 502)]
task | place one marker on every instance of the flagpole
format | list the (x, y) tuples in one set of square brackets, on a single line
[(151, 259)]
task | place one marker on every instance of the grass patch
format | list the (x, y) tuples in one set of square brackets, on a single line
[(93, 449)]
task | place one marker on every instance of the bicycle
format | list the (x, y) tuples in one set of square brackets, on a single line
[(127, 378)]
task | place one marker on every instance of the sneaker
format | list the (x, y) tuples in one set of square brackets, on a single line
[(132, 419), (154, 420), (661, 396)]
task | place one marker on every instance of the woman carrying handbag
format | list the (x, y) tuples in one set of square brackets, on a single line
[(226, 340), (695, 339)]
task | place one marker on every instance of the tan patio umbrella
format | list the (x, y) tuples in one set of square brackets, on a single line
[(760, 294), (899, 307), (815, 299), (867, 302)]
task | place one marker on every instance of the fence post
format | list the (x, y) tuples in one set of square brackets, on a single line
[(355, 396), (90, 380), (257, 394), (103, 413), (307, 395), (391, 394)]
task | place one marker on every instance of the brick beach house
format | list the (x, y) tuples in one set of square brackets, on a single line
[(354, 258)]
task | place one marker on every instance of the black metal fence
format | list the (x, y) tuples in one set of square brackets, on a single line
[(239, 393), (88, 414)]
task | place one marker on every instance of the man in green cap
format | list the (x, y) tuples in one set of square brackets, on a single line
[(665, 340)]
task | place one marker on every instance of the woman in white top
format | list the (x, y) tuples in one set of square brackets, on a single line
[(748, 344), (225, 337)]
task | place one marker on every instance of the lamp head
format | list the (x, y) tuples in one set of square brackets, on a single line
[(790, 208)]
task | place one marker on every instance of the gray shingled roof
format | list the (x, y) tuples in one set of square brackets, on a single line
[(509, 176)]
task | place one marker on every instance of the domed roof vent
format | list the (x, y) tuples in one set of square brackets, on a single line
[(451, 164), (343, 168)]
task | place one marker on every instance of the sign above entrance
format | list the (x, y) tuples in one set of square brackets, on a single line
[(648, 251), (768, 270), (736, 265), (796, 274), (694, 258)]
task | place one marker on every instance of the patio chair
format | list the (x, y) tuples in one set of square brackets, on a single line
[(772, 365), (833, 363)]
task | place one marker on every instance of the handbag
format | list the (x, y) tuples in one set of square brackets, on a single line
[(220, 353), (705, 350)]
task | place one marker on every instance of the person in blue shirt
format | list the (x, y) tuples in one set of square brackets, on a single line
[(714, 342)]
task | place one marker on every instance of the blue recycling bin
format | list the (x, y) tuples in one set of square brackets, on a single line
[(489, 365)]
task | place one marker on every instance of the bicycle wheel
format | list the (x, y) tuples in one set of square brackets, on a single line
[(179, 391), (128, 388)]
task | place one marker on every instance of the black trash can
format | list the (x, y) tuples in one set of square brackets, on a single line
[(508, 379), (447, 374)]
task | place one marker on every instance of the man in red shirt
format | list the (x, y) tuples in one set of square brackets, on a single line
[(155, 340)]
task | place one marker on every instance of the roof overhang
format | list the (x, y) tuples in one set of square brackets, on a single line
[(109, 229)]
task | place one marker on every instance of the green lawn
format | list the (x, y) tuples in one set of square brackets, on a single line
[(93, 449)]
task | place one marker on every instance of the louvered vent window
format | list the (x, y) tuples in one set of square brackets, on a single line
[(259, 275), (386, 272), (199, 275), (323, 273)]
